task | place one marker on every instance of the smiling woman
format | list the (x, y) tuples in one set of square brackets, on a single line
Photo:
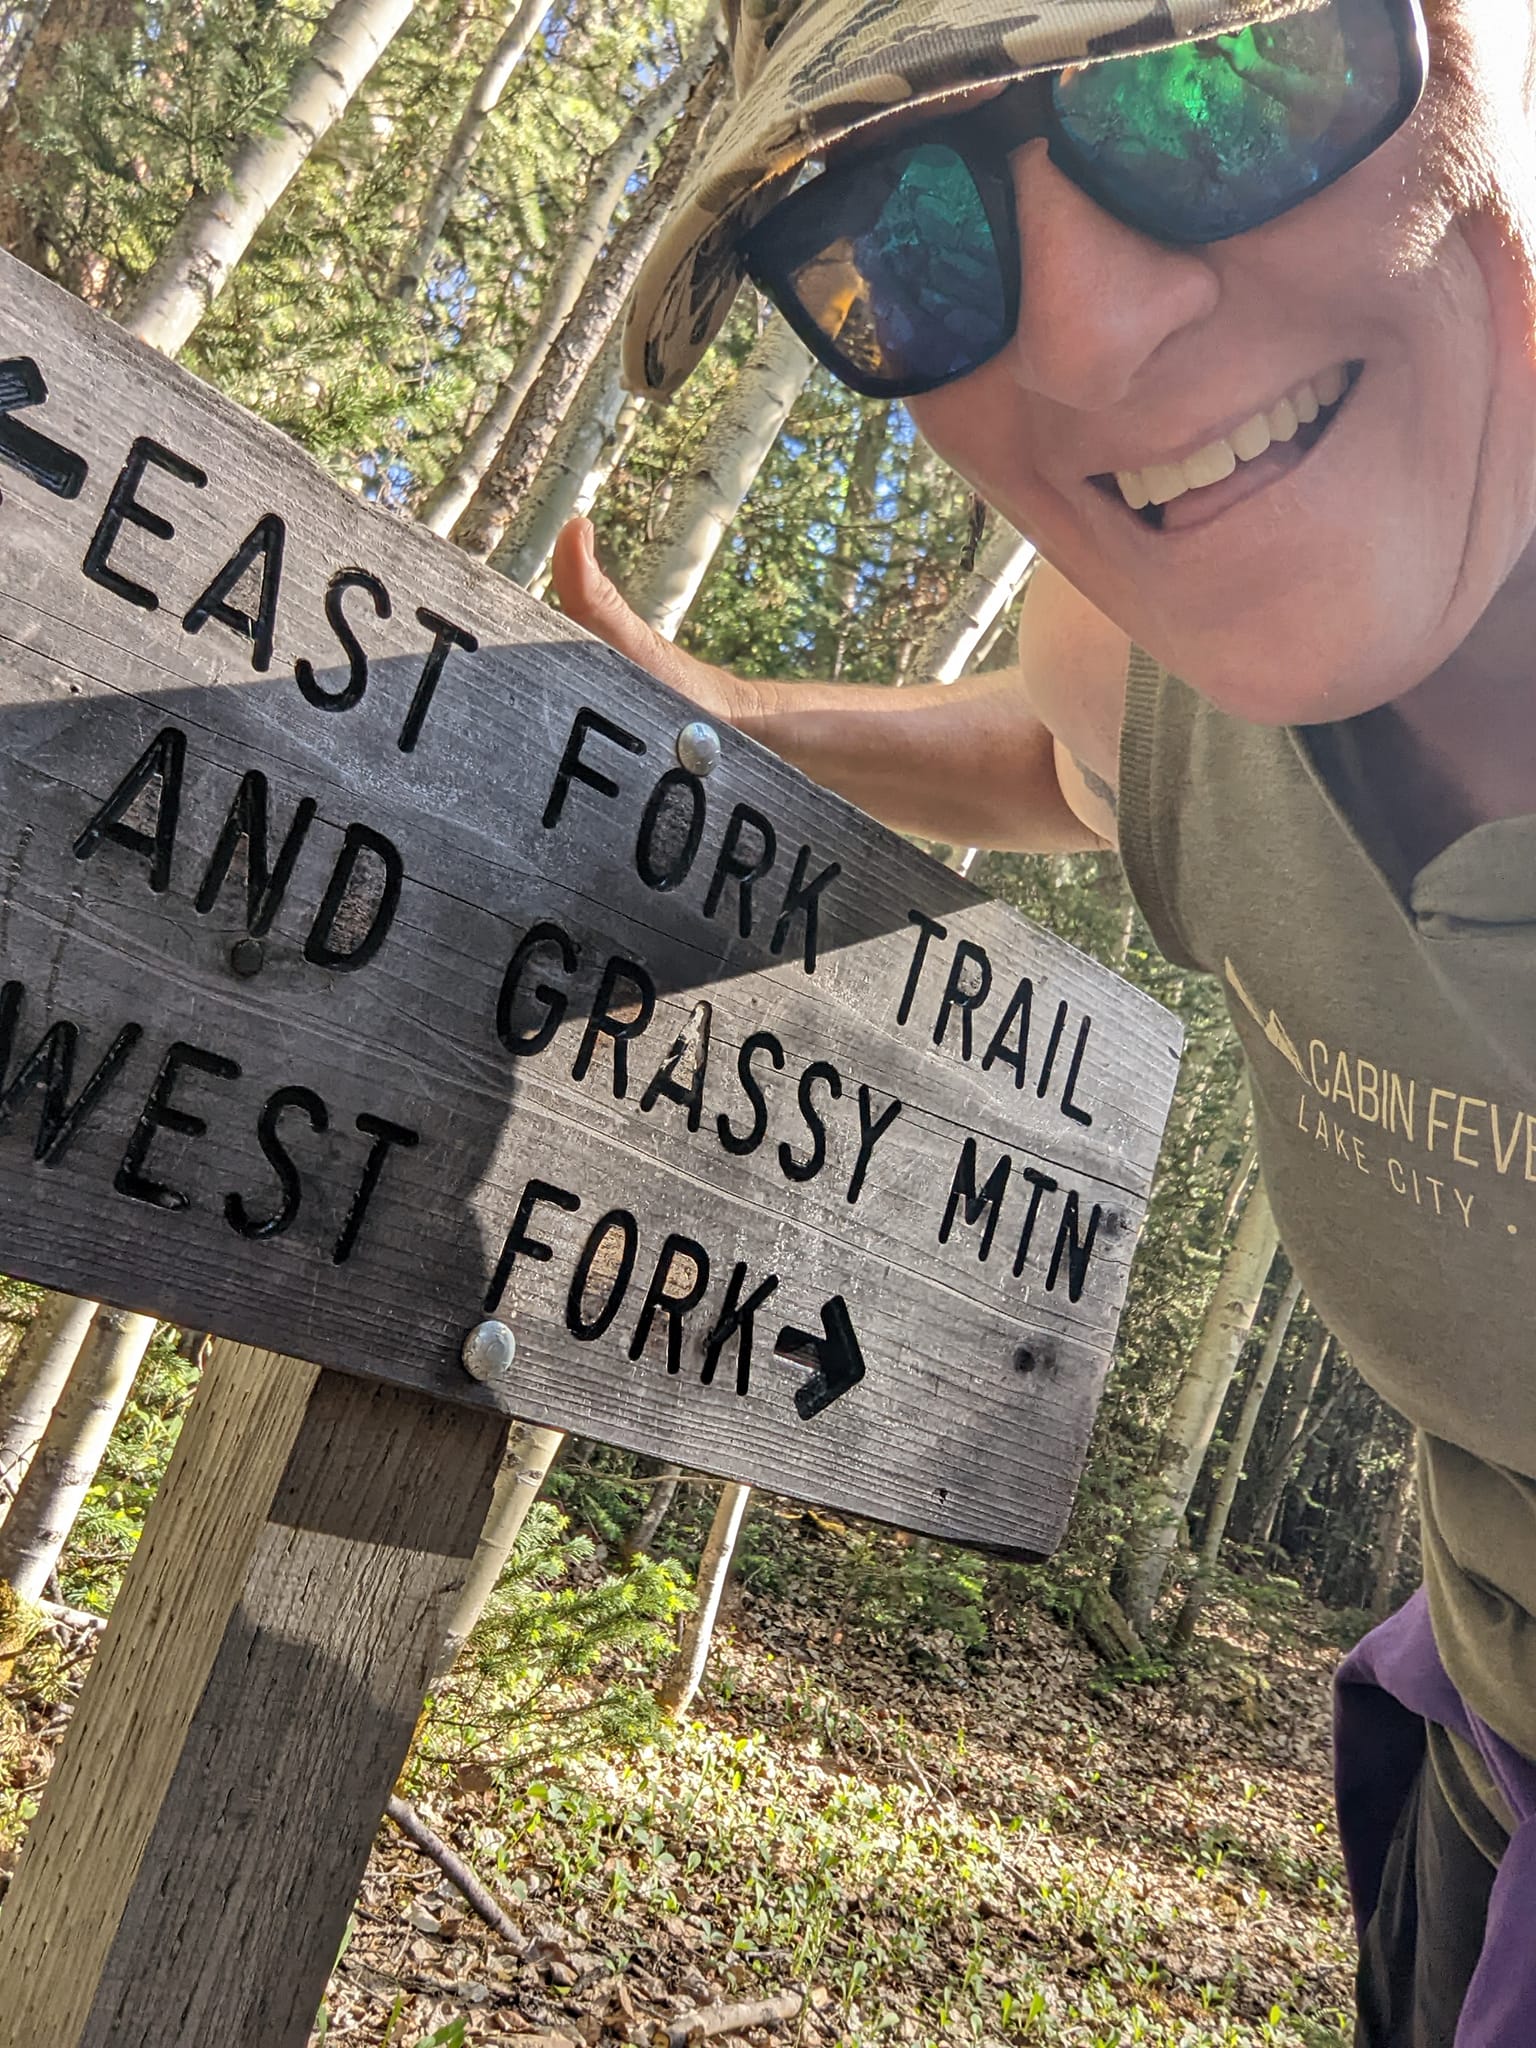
[(1239, 327)]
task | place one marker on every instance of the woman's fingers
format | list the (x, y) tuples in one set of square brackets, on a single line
[(588, 596)]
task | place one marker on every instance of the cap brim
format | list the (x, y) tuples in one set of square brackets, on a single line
[(838, 65)]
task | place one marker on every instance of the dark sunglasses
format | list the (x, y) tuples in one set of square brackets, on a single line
[(900, 267)]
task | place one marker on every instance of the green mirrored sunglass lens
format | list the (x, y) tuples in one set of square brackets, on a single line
[(1205, 139)]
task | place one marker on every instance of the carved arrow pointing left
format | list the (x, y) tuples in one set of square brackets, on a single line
[(56, 468)]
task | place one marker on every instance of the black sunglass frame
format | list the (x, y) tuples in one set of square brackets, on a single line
[(983, 138)]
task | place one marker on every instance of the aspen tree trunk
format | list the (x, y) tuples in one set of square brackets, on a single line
[(1236, 1185), (639, 1540), (1234, 1303), (1391, 1526), (48, 1500), (1232, 1471), (990, 588), (484, 98), (476, 499), (217, 229), (677, 1693), (33, 1382), (1286, 1450), (584, 454), (666, 576), (530, 1453)]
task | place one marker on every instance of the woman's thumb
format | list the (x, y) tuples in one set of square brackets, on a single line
[(588, 596)]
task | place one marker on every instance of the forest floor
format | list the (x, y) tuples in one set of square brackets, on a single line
[(933, 1846), (933, 1849)]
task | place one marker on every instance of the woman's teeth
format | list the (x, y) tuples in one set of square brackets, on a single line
[(1162, 482)]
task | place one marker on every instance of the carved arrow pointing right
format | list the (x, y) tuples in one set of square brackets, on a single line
[(56, 468), (836, 1356)]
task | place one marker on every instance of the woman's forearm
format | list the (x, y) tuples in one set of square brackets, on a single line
[(966, 763)]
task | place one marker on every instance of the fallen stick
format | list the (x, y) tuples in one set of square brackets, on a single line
[(710, 2020), (72, 1617), (454, 1868)]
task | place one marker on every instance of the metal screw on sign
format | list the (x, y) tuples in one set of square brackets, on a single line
[(488, 1351), (698, 747)]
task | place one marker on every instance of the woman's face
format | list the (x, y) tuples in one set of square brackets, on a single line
[(1337, 570)]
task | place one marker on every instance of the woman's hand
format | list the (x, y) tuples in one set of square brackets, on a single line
[(588, 596)]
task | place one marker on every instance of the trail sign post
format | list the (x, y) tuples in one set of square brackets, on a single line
[(381, 959)]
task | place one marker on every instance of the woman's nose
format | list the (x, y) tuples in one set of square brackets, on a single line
[(1097, 300)]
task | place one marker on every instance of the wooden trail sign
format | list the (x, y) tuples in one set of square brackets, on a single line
[(372, 962)]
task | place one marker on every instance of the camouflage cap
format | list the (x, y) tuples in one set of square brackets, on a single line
[(810, 71)]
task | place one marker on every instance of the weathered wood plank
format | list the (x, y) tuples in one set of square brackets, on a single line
[(321, 1109), (189, 1875)]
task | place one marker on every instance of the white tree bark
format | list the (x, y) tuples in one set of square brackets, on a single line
[(484, 98), (1290, 1441), (34, 1380), (1232, 1471), (970, 614), (582, 245), (665, 579), (639, 1540), (677, 1693), (1196, 1407), (49, 1498), (530, 1453), (217, 229), (584, 454), (1391, 1527)]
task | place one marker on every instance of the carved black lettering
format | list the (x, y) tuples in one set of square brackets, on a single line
[(556, 1001), (162, 762), (573, 768), (927, 928), (161, 1114), (1049, 1061), (1069, 1107), (680, 1077), (51, 1062), (1077, 1251), (802, 903), (751, 1087), (123, 509), (671, 827), (735, 1320), (1014, 1027), (606, 1021), (341, 916), (264, 887), (518, 1244), (615, 1271), (672, 1307), (386, 1136), (743, 866), (976, 1203), (1040, 1184), (264, 543), (280, 1159), (871, 1130), (311, 689), (808, 1168), (445, 637), (958, 997)]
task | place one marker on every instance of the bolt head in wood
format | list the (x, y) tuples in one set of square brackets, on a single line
[(698, 747), (488, 1351)]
